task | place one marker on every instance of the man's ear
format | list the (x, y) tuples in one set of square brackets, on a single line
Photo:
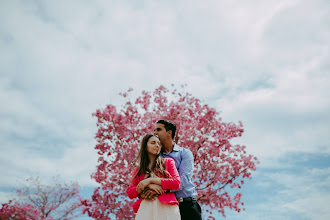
[(170, 133)]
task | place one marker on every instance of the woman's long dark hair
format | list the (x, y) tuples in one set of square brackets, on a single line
[(158, 166)]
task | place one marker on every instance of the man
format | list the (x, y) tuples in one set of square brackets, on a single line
[(184, 162)]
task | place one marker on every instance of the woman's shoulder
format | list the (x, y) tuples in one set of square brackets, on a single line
[(136, 172), (135, 169)]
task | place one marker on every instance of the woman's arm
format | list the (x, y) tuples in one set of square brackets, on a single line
[(132, 190), (144, 183), (174, 181), (167, 183)]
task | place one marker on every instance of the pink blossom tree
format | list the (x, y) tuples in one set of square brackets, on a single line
[(15, 211), (218, 163), (37, 201)]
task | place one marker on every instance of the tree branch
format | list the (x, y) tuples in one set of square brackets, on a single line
[(229, 181)]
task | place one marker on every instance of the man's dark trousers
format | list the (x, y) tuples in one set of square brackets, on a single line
[(190, 210)]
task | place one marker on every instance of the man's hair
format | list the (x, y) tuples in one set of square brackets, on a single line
[(169, 126)]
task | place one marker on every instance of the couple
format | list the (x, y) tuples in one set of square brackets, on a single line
[(163, 178)]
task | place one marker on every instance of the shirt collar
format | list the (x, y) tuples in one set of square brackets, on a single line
[(175, 148)]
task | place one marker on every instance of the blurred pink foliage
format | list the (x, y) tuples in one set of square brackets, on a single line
[(16, 211), (218, 163), (36, 201)]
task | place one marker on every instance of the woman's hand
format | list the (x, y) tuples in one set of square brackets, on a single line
[(142, 184), (157, 188)]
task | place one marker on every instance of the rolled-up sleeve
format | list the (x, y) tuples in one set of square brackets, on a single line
[(174, 181)]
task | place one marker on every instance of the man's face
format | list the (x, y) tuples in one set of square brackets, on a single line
[(161, 132)]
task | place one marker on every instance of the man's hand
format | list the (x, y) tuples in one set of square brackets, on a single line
[(149, 194), (157, 188), (143, 184)]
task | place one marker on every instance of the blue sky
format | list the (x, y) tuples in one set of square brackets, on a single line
[(265, 63)]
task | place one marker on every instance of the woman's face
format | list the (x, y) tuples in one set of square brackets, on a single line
[(153, 146)]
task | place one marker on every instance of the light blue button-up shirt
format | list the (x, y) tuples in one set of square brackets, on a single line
[(184, 162)]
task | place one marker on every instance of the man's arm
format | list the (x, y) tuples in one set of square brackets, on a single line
[(186, 168)]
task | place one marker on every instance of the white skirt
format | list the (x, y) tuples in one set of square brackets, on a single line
[(156, 210)]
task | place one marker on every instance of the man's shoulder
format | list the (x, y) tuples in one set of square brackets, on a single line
[(183, 149)]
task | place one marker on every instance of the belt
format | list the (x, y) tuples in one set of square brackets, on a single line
[(188, 199)]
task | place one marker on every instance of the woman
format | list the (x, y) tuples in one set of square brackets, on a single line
[(158, 174)]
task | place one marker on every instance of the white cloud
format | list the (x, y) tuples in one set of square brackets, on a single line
[(6, 196), (290, 115), (77, 163), (304, 193)]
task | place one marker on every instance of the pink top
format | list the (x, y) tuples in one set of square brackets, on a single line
[(167, 183)]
